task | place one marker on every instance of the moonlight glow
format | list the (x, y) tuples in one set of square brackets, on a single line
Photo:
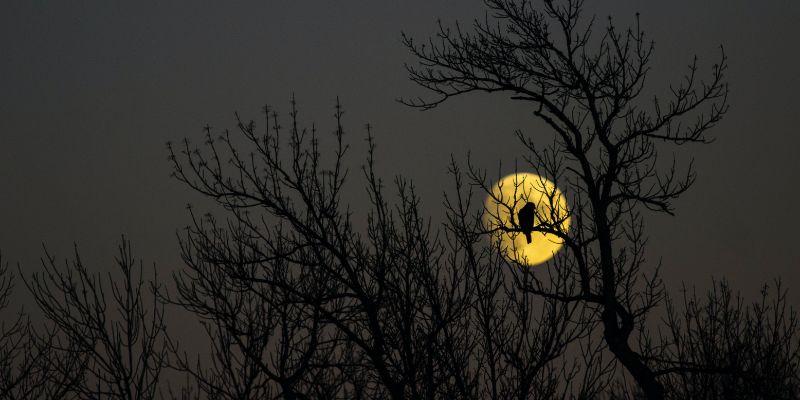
[(508, 196)]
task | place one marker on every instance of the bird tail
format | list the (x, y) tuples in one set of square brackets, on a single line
[(528, 237)]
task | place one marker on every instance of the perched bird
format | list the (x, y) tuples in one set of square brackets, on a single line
[(525, 220)]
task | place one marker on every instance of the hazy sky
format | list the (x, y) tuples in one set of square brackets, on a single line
[(90, 92)]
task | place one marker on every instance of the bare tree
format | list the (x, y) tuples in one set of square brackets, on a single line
[(301, 304), (17, 362), (12, 337), (30, 365), (587, 88), (104, 345), (264, 343), (729, 349)]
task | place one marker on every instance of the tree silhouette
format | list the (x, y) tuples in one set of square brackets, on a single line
[(18, 363), (12, 339), (107, 341), (588, 89), (730, 350), (303, 296), (300, 304), (258, 334), (31, 365)]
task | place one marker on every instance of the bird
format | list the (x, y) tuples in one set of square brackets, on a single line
[(525, 220)]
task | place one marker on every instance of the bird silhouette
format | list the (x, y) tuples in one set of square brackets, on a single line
[(525, 220)]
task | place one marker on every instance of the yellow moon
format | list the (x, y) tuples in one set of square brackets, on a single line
[(507, 197)]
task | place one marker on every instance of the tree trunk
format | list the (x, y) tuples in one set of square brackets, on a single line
[(617, 326), (617, 341)]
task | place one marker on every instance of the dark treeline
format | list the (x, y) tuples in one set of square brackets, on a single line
[(302, 297)]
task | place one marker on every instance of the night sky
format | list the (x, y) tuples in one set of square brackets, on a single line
[(91, 91)]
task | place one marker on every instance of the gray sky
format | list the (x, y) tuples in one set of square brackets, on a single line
[(90, 92)]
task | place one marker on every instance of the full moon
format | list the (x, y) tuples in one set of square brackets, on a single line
[(507, 197)]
